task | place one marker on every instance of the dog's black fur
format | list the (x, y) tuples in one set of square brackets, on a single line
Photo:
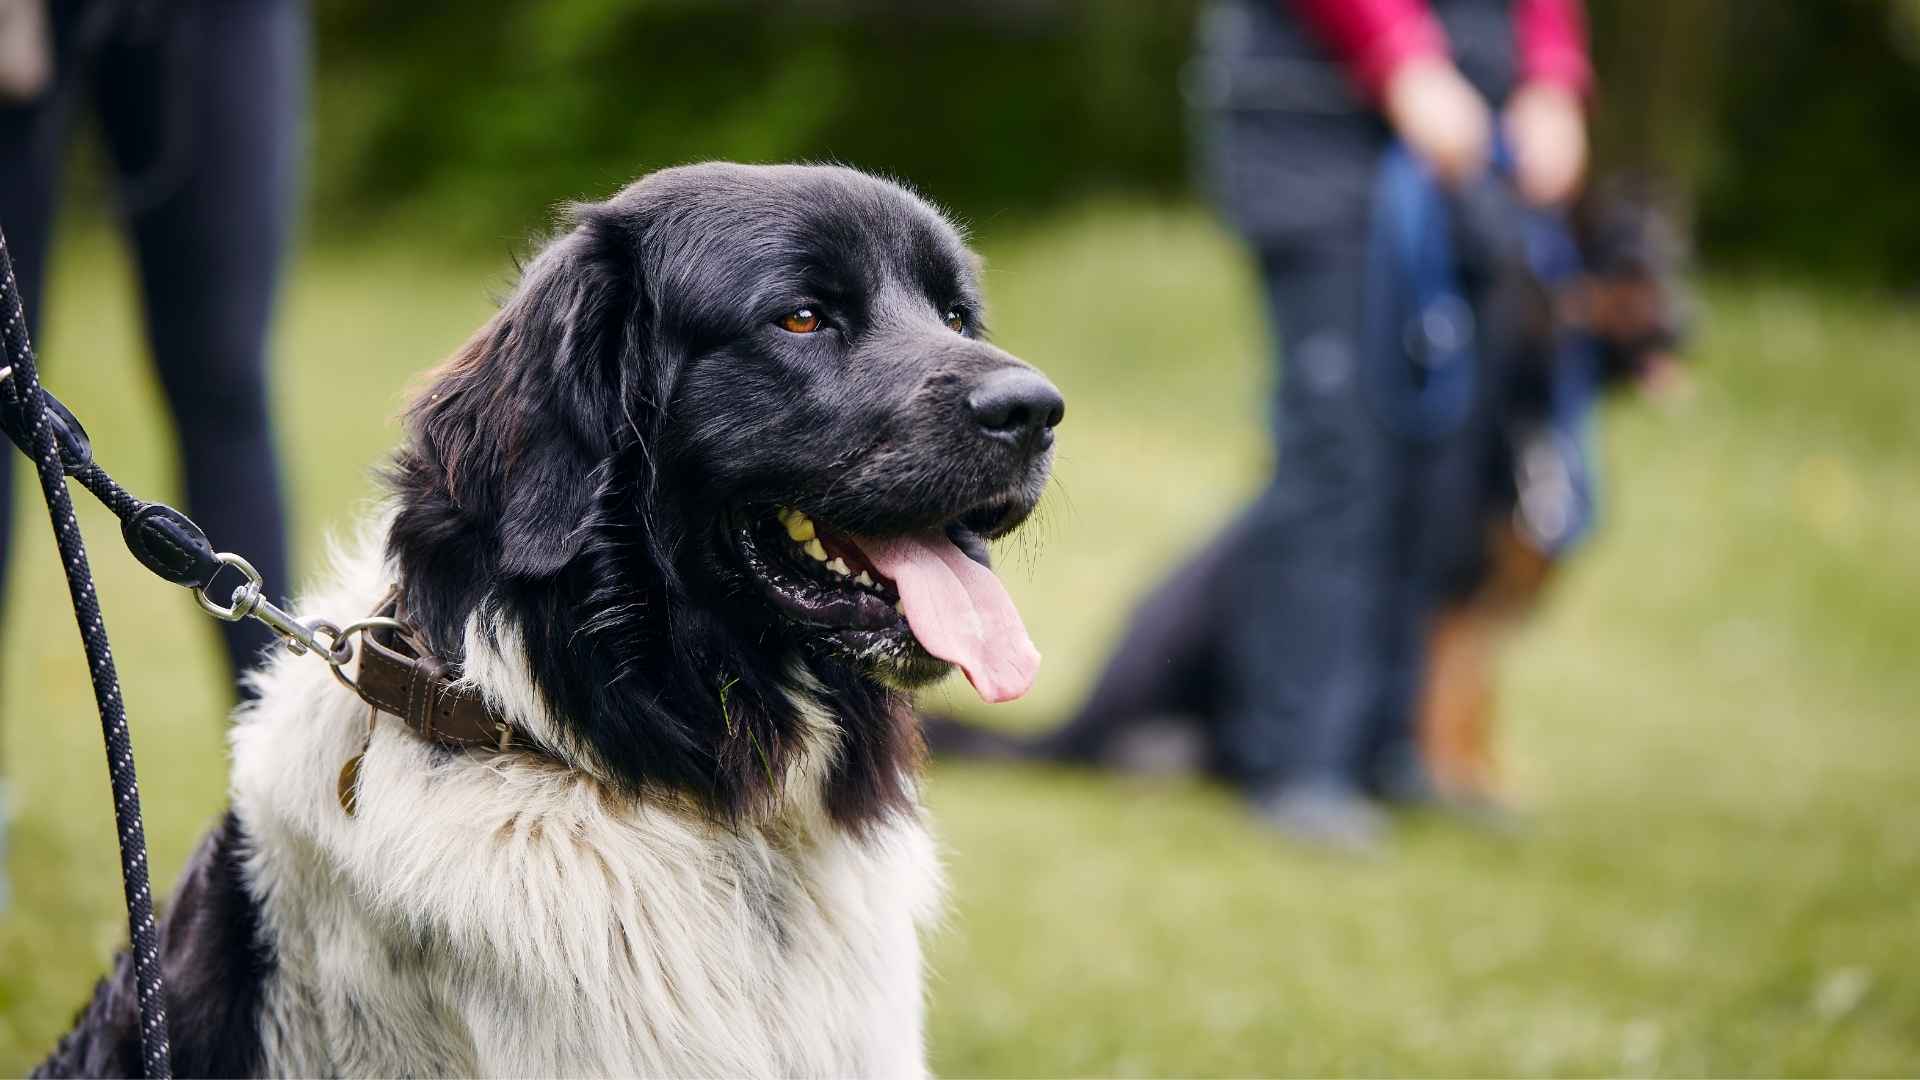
[(595, 468)]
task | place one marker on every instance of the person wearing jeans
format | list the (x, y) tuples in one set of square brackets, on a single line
[(1320, 663)]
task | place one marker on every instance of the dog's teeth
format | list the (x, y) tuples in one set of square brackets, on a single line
[(864, 578), (900, 606), (799, 526), (838, 566), (818, 552)]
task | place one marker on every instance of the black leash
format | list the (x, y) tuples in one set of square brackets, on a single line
[(40, 432), (168, 543)]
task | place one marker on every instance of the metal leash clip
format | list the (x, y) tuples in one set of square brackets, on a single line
[(249, 601), (327, 640)]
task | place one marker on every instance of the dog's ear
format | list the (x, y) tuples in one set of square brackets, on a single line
[(518, 428)]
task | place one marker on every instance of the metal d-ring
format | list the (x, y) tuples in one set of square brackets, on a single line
[(373, 622), (341, 653)]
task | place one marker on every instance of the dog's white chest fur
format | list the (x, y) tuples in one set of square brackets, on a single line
[(504, 916)]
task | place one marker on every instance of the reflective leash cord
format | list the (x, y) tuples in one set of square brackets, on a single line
[(169, 544), (23, 396)]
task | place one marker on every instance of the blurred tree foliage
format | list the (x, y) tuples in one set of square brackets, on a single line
[(1788, 126), (483, 112), (1791, 127)]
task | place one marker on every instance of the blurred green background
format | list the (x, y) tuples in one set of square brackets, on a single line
[(1788, 126), (1713, 723)]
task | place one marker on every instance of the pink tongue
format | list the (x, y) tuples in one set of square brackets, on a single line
[(960, 612)]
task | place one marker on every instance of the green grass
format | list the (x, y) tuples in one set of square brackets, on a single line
[(1714, 722)]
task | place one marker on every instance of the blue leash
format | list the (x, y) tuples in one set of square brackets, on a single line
[(1575, 391), (1420, 329), (1421, 335)]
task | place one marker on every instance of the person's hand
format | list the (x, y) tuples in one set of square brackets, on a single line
[(1441, 117), (1664, 382), (1547, 129)]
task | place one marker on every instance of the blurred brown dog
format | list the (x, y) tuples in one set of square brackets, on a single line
[(1631, 303)]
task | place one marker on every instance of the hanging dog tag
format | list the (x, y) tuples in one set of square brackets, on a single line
[(350, 784), (350, 772)]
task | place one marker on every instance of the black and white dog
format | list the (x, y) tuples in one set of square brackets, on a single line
[(696, 509)]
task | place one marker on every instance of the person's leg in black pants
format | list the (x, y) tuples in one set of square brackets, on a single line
[(33, 139), (202, 104), (1305, 630), (205, 122)]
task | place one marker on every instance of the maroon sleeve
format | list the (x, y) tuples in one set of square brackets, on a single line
[(1551, 38), (1372, 38)]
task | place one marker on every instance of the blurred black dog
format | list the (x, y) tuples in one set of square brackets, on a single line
[(689, 515), (1488, 553)]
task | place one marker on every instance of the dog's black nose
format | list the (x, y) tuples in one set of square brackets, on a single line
[(1017, 405)]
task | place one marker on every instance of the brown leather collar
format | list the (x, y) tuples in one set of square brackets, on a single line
[(398, 675)]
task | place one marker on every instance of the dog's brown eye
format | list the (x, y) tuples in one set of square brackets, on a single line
[(956, 322), (800, 321)]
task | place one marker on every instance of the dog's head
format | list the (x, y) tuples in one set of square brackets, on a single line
[(736, 438), (1633, 299)]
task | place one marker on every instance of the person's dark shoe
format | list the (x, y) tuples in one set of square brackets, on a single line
[(1401, 779), (1324, 816)]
